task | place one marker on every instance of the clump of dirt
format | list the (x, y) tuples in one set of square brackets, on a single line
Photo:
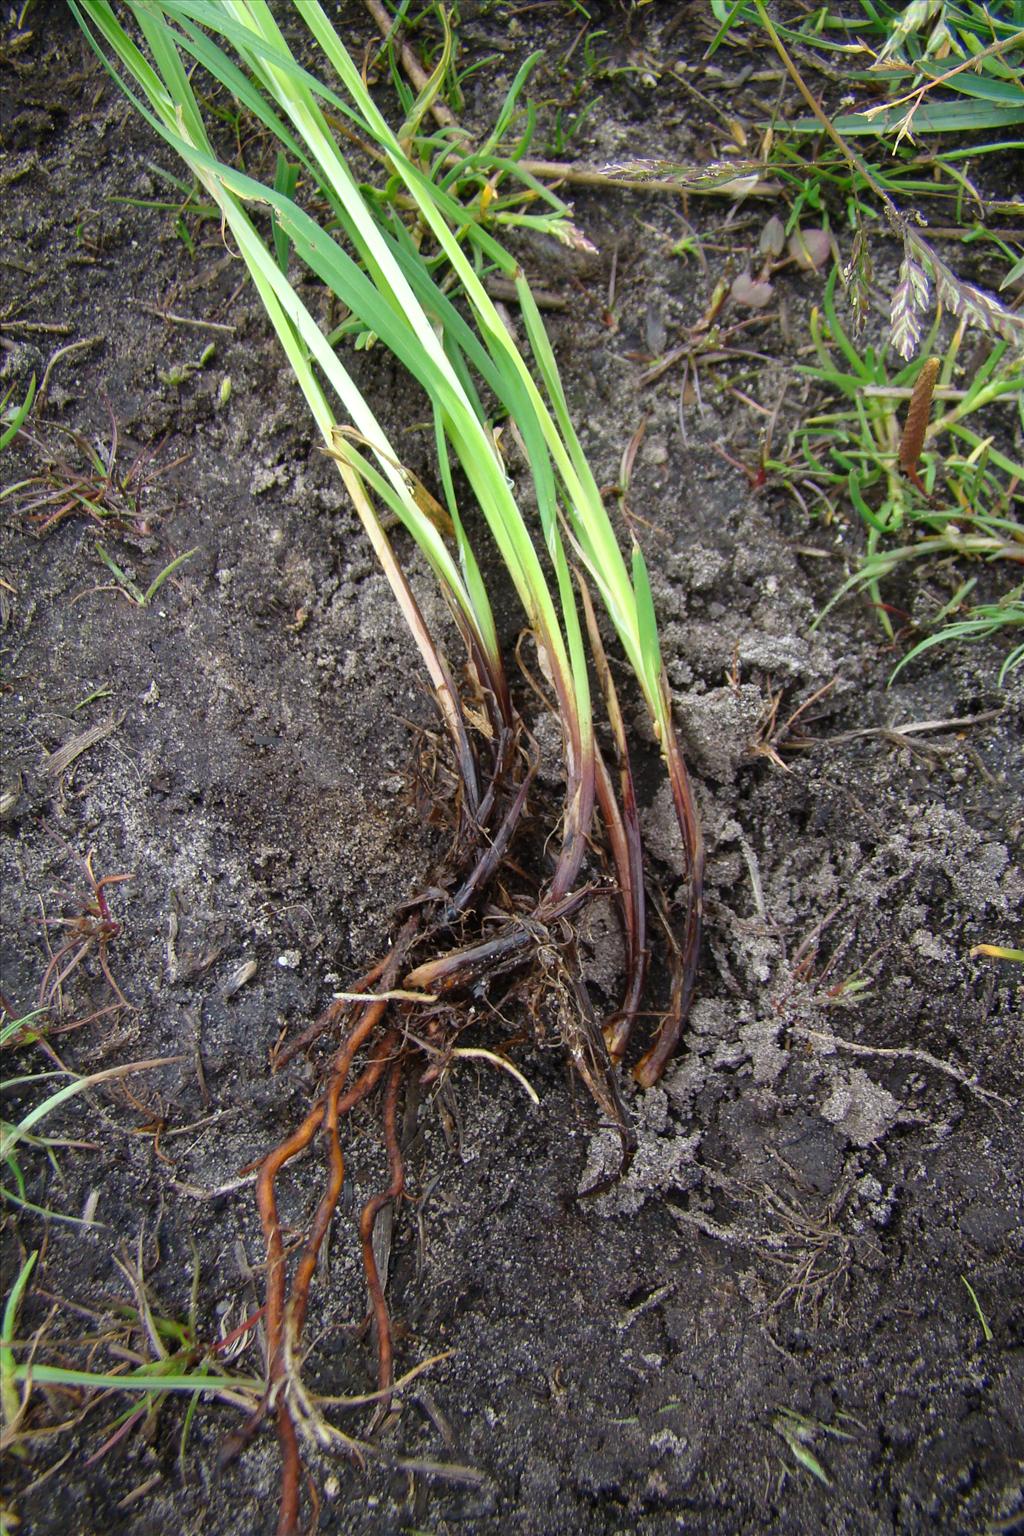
[(827, 1203)]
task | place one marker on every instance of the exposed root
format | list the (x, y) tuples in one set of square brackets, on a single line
[(489, 913), (479, 1054), (905, 1053), (367, 1222), (325, 1020)]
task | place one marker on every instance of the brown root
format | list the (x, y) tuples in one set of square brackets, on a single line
[(489, 913), (367, 1222)]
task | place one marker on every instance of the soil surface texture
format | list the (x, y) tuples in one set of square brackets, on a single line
[(801, 1310)]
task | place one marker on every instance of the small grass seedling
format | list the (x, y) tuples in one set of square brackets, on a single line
[(189, 211), (14, 416), (999, 952), (986, 1331), (180, 373), (163, 1355), (800, 1432), (15, 1034), (128, 588)]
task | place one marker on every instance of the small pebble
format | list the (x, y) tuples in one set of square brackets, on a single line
[(238, 978)]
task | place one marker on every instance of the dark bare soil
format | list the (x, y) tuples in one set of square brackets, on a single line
[(826, 1167)]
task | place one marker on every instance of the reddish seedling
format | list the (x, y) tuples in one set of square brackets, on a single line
[(95, 487), (91, 931)]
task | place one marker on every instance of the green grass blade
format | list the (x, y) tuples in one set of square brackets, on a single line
[(10, 1398), (168, 570), (13, 423), (13, 1134), (286, 177), (121, 577), (970, 116), (143, 1380)]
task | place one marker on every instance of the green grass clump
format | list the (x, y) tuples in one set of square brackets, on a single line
[(936, 486), (405, 257), (949, 68), (178, 1363), (400, 292), (963, 499)]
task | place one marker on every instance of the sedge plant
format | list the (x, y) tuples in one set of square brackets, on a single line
[(409, 269)]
